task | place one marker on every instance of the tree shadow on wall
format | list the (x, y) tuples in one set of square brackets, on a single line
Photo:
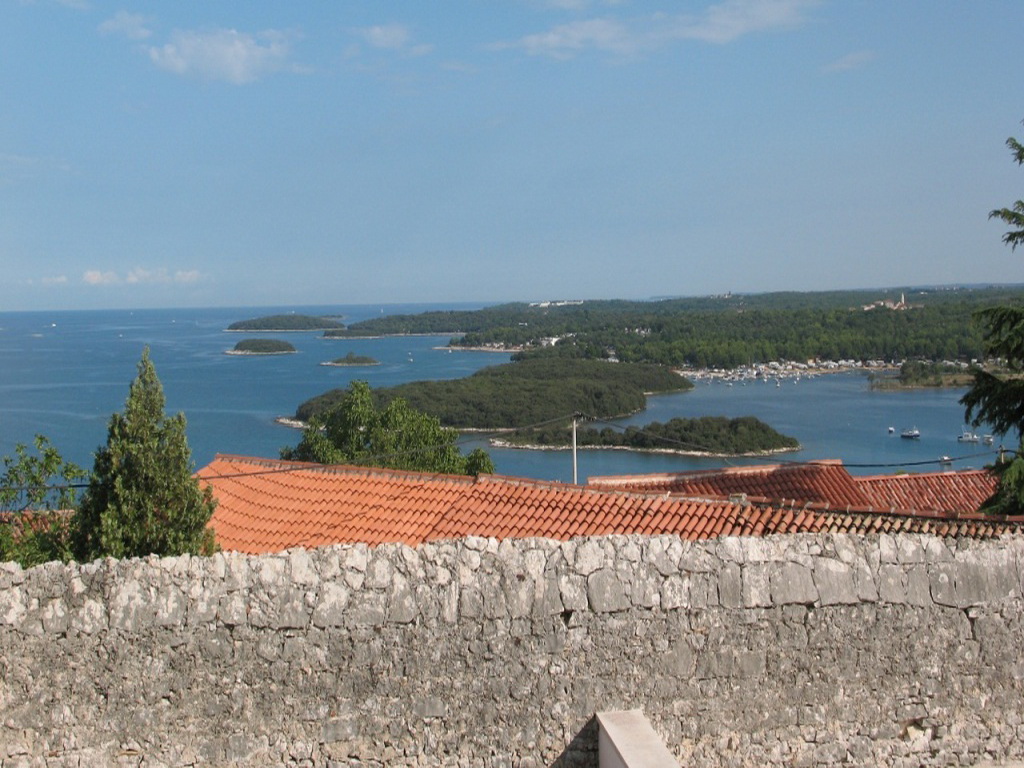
[(581, 752)]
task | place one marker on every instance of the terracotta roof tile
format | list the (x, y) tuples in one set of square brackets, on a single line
[(267, 505), (825, 481), (934, 491)]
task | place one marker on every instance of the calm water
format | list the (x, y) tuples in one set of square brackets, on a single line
[(63, 373)]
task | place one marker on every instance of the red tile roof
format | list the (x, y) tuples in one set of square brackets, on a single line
[(268, 505), (826, 481), (937, 491)]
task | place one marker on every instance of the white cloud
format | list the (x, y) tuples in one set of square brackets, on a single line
[(222, 54), (720, 23), (389, 36), (58, 280), (567, 40), (161, 275), (96, 277), (186, 276), (850, 61), (392, 37), (141, 276), (134, 26), (733, 19)]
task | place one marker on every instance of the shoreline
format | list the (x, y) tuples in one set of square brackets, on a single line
[(277, 330), (350, 365), (243, 353), (498, 443)]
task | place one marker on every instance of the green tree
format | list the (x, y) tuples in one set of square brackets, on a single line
[(35, 493), (998, 399), (1013, 216), (142, 497), (356, 431)]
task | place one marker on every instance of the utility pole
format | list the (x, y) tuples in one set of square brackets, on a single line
[(576, 416), (574, 476)]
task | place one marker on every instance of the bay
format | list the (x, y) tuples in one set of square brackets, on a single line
[(62, 374)]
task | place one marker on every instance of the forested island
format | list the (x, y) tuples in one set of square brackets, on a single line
[(261, 347), (724, 331), (707, 435), (920, 373), (289, 322), (524, 393), (352, 359)]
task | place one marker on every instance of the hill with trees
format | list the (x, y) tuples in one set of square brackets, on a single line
[(707, 435), (519, 394), (289, 322), (724, 331)]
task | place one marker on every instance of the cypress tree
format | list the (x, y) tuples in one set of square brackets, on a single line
[(142, 497)]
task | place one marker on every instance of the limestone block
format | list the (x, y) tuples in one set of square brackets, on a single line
[(402, 607), (355, 557), (301, 566), (918, 589), (573, 592), (891, 587), (756, 586), (367, 609), (675, 592), (590, 556), (132, 605), (233, 610), (730, 585), (379, 571), (605, 593), (12, 606), (988, 578), (793, 583), (91, 618), (331, 604), (55, 618), (835, 582)]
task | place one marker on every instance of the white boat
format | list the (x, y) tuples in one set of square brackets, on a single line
[(988, 440), (911, 434), (967, 436)]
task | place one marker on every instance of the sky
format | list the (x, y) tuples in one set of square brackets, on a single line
[(187, 153)]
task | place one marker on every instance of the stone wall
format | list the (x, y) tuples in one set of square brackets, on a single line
[(801, 650)]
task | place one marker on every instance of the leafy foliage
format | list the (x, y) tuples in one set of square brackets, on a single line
[(998, 399), (357, 431), (28, 481), (707, 434), (35, 492), (286, 323), (142, 497), (1013, 216), (524, 393)]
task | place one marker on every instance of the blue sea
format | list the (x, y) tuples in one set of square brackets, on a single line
[(63, 373)]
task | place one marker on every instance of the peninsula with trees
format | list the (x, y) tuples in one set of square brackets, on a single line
[(726, 331), (286, 323), (704, 436), (520, 394)]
